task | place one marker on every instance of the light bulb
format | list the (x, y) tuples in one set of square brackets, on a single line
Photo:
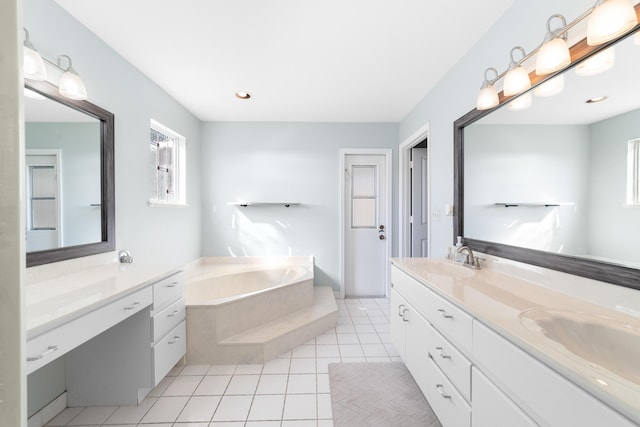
[(32, 63), (610, 19), (71, 85), (516, 81), (553, 56), (598, 63), (488, 96), (551, 87)]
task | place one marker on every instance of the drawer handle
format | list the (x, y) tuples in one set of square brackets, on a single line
[(175, 312), (401, 310), (440, 389), (444, 314), (49, 350), (404, 317), (175, 339), (443, 355), (132, 306), (172, 285)]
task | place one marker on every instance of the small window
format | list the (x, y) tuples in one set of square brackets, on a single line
[(633, 172), (167, 166)]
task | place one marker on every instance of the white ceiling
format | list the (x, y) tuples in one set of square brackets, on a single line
[(301, 60)]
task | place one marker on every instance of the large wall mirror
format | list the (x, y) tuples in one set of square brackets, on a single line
[(557, 184), (69, 185)]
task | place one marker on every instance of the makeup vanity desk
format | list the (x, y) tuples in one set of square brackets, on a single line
[(119, 326)]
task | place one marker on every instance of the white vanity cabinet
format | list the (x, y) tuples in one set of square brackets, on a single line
[(472, 376)]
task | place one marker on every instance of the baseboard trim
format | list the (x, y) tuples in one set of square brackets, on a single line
[(46, 414)]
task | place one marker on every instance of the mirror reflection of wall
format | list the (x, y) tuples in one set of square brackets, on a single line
[(63, 176)]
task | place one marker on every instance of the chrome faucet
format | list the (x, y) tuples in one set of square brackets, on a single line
[(470, 260)]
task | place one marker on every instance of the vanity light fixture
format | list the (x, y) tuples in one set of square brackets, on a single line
[(554, 54), (596, 99), (610, 19), (33, 64), (517, 79), (598, 63), (70, 84), (243, 95), (488, 96), (550, 87)]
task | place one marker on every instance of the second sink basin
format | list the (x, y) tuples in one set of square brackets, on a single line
[(597, 339)]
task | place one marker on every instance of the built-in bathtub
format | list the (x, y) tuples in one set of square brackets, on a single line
[(230, 299)]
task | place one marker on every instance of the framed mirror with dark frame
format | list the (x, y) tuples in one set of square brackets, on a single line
[(101, 238), (533, 208)]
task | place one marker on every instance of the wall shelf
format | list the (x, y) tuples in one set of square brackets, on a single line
[(533, 204), (257, 204)]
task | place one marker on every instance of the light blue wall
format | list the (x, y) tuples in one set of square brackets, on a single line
[(296, 162), (455, 95), (613, 227), (79, 145), (167, 235)]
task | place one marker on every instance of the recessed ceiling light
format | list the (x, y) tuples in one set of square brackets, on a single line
[(596, 99), (243, 95)]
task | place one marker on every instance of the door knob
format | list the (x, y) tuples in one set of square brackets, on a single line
[(381, 237)]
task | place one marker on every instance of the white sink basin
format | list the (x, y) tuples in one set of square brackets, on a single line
[(450, 269), (599, 340)]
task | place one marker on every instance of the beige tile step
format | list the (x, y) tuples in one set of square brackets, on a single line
[(261, 344)]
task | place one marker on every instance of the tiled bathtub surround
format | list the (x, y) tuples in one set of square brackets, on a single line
[(289, 391)]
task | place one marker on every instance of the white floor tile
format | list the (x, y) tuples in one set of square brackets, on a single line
[(277, 366), (199, 409), (364, 320), (345, 329), (374, 350), (379, 320), (299, 423), (224, 424), (382, 328), (385, 337), (301, 383), (326, 339), (183, 386), (272, 384), (378, 359), (327, 350), (93, 415), (353, 359), (325, 423), (161, 387), (261, 424), (64, 417), (322, 364), (222, 370), (267, 407), (368, 329), (195, 370), (343, 320), (242, 384), (373, 312), (304, 351), (348, 338), (165, 410), (324, 406), (369, 339), (131, 414), (213, 385), (175, 371), (233, 408), (303, 366), (322, 381), (351, 350), (391, 349), (357, 312), (249, 369), (286, 355), (300, 407)]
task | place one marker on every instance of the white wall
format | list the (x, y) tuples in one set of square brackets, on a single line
[(455, 95), (12, 383), (152, 234), (527, 163), (295, 162), (613, 227)]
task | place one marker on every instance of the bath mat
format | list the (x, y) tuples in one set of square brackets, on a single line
[(377, 394)]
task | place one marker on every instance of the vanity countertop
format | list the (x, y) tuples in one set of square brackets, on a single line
[(512, 306), (51, 303)]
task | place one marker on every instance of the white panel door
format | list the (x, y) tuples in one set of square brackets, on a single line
[(419, 203), (366, 258)]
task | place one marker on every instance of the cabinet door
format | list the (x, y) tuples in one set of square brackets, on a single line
[(416, 349), (492, 408), (399, 317)]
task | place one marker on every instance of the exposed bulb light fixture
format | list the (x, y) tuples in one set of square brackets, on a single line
[(551, 87), (488, 96), (517, 79), (554, 52), (610, 19), (243, 95), (598, 63), (70, 84), (522, 102), (33, 64)]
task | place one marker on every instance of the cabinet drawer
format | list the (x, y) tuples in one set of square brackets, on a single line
[(167, 289), (168, 351), (452, 363), (490, 405), (448, 405), (546, 396), (55, 343), (168, 319)]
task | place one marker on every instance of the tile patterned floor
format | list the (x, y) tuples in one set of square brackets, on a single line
[(289, 391)]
